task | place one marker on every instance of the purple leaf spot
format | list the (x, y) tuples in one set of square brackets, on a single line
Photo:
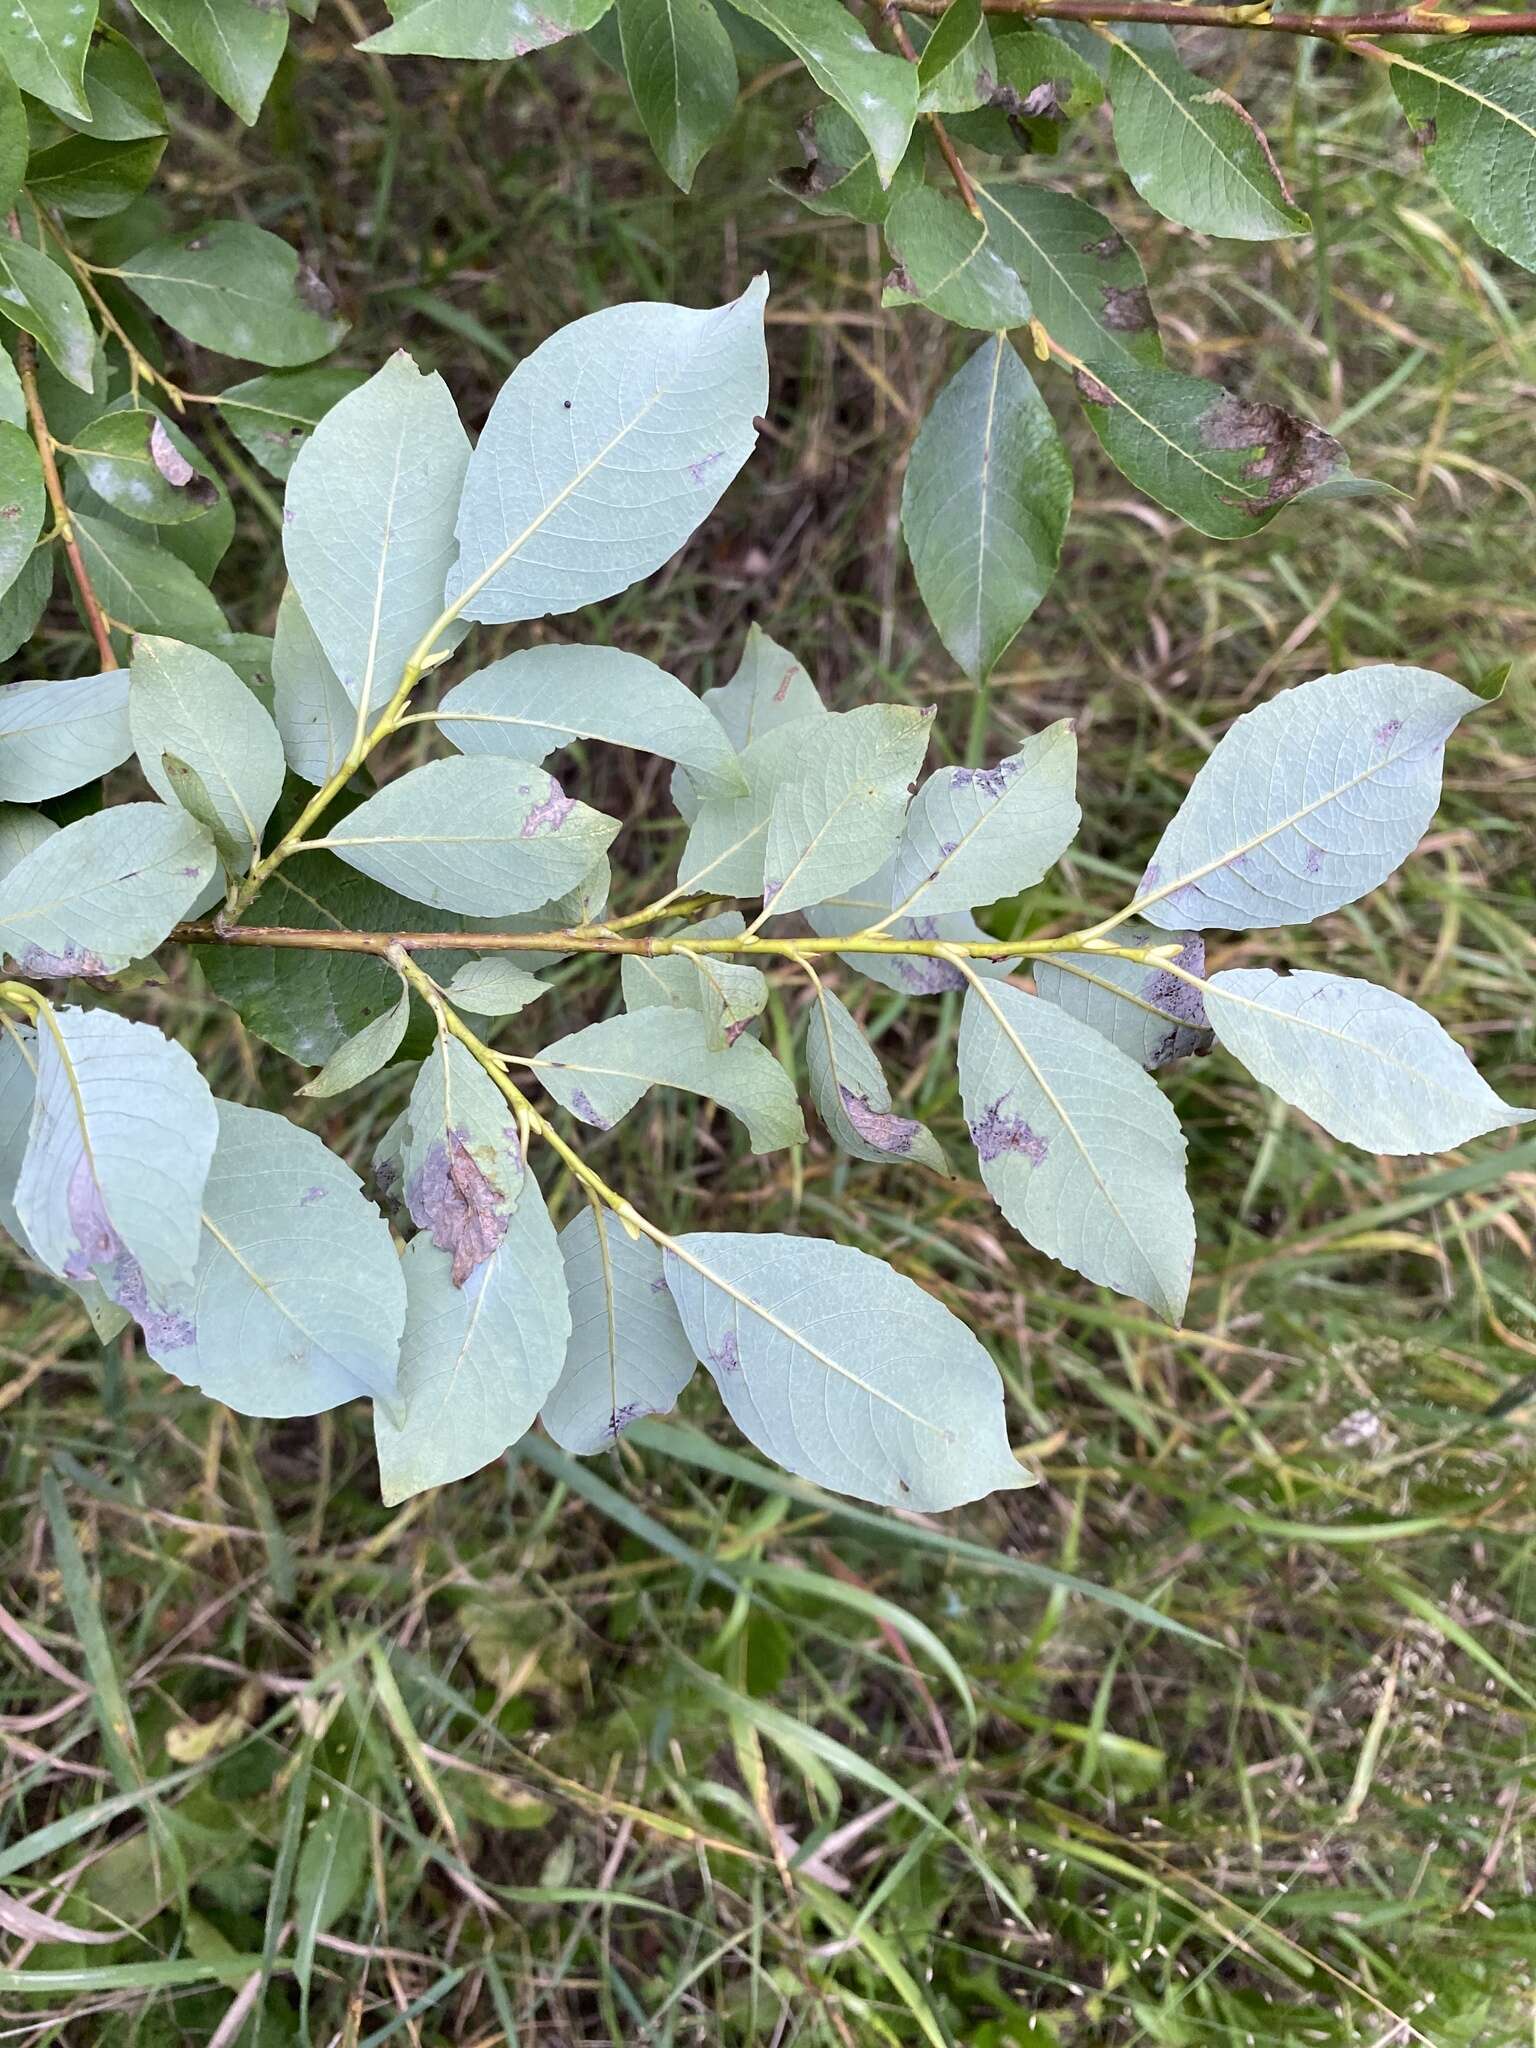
[(726, 1356), (56, 966), (622, 1417), (452, 1198), (582, 1103), (164, 1329), (1313, 863), (1384, 735), (312, 1195), (734, 1029), (990, 782), (995, 1134), (698, 470), (659, 1284), (550, 815), (887, 1133), (930, 977), (96, 1239)]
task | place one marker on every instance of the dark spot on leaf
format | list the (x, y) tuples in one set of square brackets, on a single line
[(697, 470), (1384, 735), (451, 1197), (880, 1128), (565, 404), (991, 782), (897, 279), (313, 293), (1292, 454), (1313, 862), (44, 966), (1190, 1031), (726, 1356), (1106, 249), (1424, 138), (659, 1284), (164, 1329), (1127, 309), (995, 1133), (1091, 390), (10, 511), (622, 1417), (312, 1195), (583, 1105), (550, 815)]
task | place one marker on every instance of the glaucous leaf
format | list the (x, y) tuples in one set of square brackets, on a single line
[(837, 815), (274, 415), (910, 974), (315, 717), (234, 44), (487, 29), (843, 1371), (309, 1003), (1368, 1065), (600, 1073), (1079, 1148), (1472, 104), (727, 840), (42, 299), (984, 506), (1149, 1013), (298, 1300), (682, 74), (974, 835), (543, 698), (769, 688), (43, 45), (945, 261), (1309, 802), (104, 890), (628, 1353), (132, 464), (20, 831), (1084, 281), (726, 993), (118, 1152), (606, 447), (57, 736), (23, 502), (839, 177), (368, 525), (232, 287), (876, 90), (461, 1160), (142, 587), (189, 704), (494, 987), (481, 835), (957, 66), (1225, 465), (1192, 152), (373, 1047), (852, 1096), (476, 1361)]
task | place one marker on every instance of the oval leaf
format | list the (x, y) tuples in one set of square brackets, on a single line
[(103, 891), (56, 736), (188, 704), (235, 288), (852, 1096), (974, 835)]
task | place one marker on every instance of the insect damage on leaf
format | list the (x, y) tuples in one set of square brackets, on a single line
[(883, 1129), (451, 1196), (1291, 454)]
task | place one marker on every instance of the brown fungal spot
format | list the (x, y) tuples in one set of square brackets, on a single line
[(1291, 454), (1127, 309), (1091, 390)]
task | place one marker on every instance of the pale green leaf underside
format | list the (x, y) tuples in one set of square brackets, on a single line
[(363, 1055), (104, 890), (1080, 1149), (1151, 1013), (313, 713), (189, 704), (726, 993), (851, 1093), (974, 835), (1368, 1065), (843, 1371), (57, 736), (837, 806)]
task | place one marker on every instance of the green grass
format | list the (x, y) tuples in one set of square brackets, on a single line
[(668, 1749)]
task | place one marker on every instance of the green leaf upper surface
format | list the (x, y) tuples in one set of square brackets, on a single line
[(104, 890), (142, 587), (298, 1300), (606, 447), (726, 993), (314, 715), (131, 463), (43, 45), (1148, 1011), (837, 811), (1039, 81), (839, 175), (1308, 802), (1192, 152), (488, 29), (682, 72), (1225, 465), (234, 44), (532, 703), (1368, 1065), (57, 736), (485, 836), (25, 602), (1473, 102), (945, 261), (23, 502), (235, 288), (984, 506), (974, 835), (957, 68), (628, 1353), (852, 1095), (189, 704), (1080, 1149), (877, 90), (118, 1152), (368, 525), (273, 416), (15, 147), (476, 1361), (1084, 281), (844, 1371), (599, 1074), (89, 179), (44, 301)]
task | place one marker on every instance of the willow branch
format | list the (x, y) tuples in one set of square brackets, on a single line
[(389, 945), (947, 150), (26, 370), (1337, 28)]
